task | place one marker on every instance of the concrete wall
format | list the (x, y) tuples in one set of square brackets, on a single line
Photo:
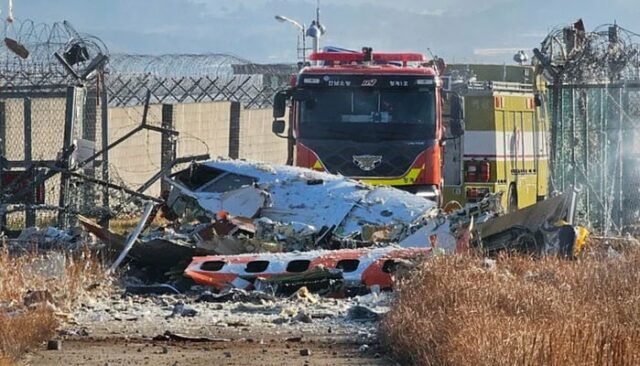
[(137, 158), (257, 142), (210, 127), (203, 127)]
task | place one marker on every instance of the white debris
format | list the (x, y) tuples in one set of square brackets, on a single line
[(290, 195)]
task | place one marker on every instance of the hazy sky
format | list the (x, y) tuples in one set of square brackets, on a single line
[(458, 30)]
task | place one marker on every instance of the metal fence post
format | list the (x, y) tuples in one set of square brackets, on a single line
[(30, 215), (168, 153), (573, 139), (234, 130), (584, 95), (3, 154), (69, 120), (104, 120), (88, 125), (561, 163), (621, 222), (607, 178), (603, 160)]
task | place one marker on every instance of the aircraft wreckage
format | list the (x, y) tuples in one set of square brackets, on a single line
[(248, 221)]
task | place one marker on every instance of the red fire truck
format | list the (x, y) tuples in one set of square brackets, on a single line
[(375, 117)]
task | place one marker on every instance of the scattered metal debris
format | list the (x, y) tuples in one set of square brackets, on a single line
[(159, 289), (235, 295), (181, 310), (133, 236), (539, 229), (319, 280), (363, 313), (170, 336), (49, 238)]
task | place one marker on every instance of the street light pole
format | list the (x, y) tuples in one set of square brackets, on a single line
[(304, 45), (301, 27)]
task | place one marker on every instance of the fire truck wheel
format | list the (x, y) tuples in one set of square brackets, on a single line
[(512, 205)]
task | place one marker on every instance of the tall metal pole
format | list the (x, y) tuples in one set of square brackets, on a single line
[(283, 19), (606, 163), (70, 119), (561, 140), (573, 138), (304, 45), (104, 127), (585, 149), (316, 40), (3, 129), (30, 213), (316, 47), (603, 162), (620, 162)]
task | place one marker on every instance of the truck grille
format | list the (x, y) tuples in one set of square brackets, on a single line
[(338, 156)]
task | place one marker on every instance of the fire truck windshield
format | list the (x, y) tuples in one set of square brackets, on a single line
[(366, 113)]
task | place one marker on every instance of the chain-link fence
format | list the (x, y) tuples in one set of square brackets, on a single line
[(594, 147), (37, 130), (181, 78), (31, 130), (194, 78), (250, 90)]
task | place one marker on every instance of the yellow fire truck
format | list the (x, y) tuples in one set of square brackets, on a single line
[(504, 146)]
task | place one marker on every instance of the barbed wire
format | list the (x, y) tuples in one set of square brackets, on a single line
[(42, 41), (609, 53), (175, 65), (193, 65)]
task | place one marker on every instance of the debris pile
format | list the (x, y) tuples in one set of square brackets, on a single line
[(297, 208), (278, 228), (239, 225), (46, 239)]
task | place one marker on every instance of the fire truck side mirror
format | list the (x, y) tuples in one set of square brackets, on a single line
[(457, 106), (278, 126), (280, 103), (456, 125)]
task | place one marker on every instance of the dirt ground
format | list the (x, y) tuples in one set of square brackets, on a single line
[(328, 350), (131, 330)]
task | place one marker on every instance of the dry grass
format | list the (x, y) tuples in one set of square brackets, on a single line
[(65, 277), (19, 332), (457, 311)]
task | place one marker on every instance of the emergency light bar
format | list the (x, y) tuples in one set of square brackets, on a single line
[(348, 57)]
